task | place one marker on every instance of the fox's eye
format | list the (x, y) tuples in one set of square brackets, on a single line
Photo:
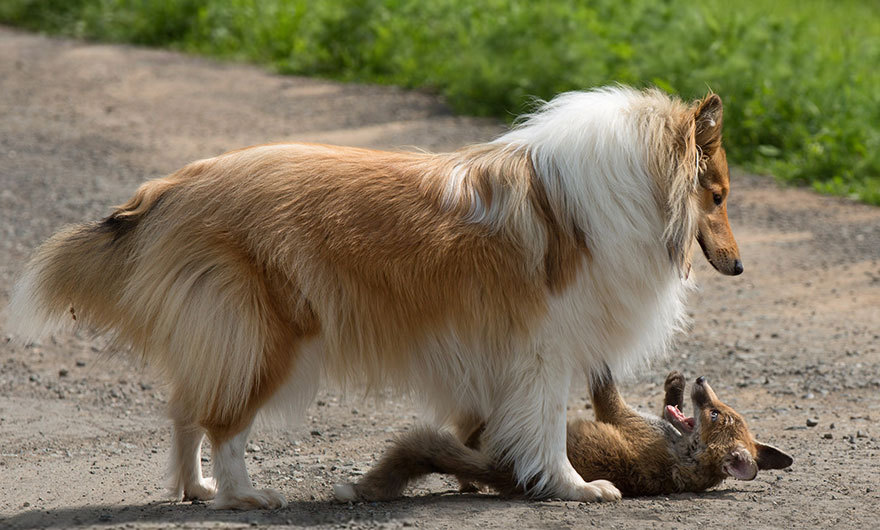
[(717, 198), (713, 415)]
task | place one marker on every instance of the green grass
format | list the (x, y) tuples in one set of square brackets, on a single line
[(800, 78)]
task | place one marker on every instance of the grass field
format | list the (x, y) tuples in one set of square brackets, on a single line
[(800, 79)]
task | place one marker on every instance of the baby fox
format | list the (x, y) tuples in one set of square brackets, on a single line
[(640, 454)]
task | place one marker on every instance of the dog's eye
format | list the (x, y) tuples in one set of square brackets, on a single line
[(713, 415), (717, 198)]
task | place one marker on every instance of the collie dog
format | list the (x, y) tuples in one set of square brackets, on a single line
[(478, 281), (640, 454)]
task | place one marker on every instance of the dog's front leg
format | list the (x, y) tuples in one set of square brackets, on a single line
[(527, 431)]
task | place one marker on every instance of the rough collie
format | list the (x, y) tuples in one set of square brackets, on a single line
[(479, 280), (640, 454)]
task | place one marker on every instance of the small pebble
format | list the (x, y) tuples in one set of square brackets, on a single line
[(63, 372), (828, 436), (80, 363), (812, 422)]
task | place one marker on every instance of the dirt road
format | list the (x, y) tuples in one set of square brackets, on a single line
[(84, 441)]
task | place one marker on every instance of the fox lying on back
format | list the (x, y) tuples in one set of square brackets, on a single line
[(640, 454)]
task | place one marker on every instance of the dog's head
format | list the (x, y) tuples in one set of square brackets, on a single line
[(713, 228)]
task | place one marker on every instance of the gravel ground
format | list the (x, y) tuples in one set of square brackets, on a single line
[(83, 435)]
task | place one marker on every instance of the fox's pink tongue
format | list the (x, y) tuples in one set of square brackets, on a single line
[(679, 416)]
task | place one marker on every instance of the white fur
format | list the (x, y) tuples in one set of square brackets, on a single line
[(186, 465), (28, 315), (234, 487), (624, 308)]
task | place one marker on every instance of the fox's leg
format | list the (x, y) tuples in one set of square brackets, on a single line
[(674, 388), (527, 430), (608, 404), (469, 429)]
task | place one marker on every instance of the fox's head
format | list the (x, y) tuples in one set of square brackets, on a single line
[(717, 435)]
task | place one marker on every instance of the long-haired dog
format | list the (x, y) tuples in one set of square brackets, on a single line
[(641, 454), (479, 280)]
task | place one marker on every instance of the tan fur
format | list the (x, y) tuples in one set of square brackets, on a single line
[(205, 225), (639, 454)]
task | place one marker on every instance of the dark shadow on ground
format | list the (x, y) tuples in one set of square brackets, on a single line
[(297, 514)]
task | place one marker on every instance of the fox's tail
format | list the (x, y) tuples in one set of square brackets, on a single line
[(422, 452)]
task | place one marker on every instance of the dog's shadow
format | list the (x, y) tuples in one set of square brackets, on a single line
[(298, 513)]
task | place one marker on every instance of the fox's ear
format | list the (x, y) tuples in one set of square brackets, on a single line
[(770, 457), (740, 465), (708, 116)]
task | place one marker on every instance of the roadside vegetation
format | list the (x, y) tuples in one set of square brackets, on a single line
[(800, 79)]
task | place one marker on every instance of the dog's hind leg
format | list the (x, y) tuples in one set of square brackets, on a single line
[(186, 463), (527, 430), (234, 488)]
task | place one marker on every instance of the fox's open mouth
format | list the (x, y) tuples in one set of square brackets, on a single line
[(678, 419)]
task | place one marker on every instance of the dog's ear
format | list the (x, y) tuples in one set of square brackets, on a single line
[(770, 457), (708, 116)]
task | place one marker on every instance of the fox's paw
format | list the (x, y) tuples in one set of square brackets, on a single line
[(599, 491), (249, 499), (674, 388), (674, 381)]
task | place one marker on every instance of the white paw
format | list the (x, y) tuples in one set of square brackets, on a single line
[(344, 492), (249, 499), (205, 490), (598, 491)]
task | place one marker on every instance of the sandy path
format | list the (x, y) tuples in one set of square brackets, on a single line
[(84, 441)]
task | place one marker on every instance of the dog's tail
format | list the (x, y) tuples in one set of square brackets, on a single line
[(419, 453), (79, 274)]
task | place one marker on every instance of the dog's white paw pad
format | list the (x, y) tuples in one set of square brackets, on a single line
[(252, 499), (600, 490), (205, 490)]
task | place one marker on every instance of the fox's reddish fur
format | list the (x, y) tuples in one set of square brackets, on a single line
[(640, 454)]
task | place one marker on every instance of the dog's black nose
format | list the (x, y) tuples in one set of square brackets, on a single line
[(701, 380), (737, 267)]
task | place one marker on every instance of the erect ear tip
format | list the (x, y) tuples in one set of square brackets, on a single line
[(710, 107), (712, 99)]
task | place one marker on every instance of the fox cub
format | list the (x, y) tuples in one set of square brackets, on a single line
[(640, 454)]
